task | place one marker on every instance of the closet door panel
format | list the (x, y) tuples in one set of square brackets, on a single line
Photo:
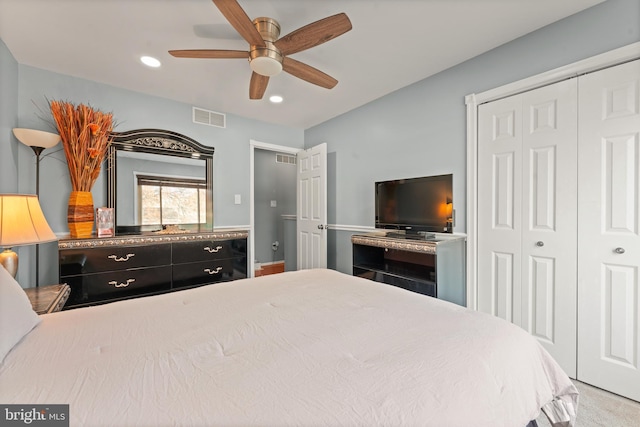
[(609, 240), (549, 232), (499, 209), (620, 184)]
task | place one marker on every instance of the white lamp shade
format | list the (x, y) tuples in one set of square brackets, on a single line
[(22, 221), (36, 138)]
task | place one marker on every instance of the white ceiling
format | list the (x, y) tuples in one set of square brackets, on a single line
[(393, 43)]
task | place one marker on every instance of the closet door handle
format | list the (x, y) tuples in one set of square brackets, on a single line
[(619, 250), (540, 243)]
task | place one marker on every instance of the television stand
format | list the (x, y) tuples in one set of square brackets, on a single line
[(434, 266)]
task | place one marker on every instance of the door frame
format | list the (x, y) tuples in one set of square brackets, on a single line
[(473, 100), (253, 145)]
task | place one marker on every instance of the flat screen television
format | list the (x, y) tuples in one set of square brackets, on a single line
[(415, 205)]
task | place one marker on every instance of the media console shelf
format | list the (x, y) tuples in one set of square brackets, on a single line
[(434, 266)]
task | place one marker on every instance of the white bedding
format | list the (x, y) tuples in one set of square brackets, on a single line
[(313, 347)]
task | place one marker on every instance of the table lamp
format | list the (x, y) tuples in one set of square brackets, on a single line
[(21, 223)]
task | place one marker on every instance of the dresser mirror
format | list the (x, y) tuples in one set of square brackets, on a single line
[(159, 181)]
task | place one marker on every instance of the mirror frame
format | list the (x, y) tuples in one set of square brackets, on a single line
[(158, 141)]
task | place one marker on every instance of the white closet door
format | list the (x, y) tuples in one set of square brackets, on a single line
[(609, 235), (549, 231), (499, 208), (527, 215)]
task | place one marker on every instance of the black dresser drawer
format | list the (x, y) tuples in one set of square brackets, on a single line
[(200, 273), (112, 285), (111, 269), (205, 250), (95, 260)]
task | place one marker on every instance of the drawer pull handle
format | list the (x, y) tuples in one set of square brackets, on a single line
[(120, 259), (122, 285), (214, 271), (212, 250)]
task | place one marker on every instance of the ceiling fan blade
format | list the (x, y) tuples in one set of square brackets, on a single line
[(308, 73), (209, 53), (314, 34), (240, 21), (258, 86)]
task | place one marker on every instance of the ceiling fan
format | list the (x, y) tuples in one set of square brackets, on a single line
[(268, 54)]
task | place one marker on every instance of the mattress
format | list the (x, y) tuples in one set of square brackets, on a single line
[(314, 347)]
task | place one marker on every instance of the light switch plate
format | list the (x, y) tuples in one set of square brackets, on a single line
[(274, 203), (238, 199)]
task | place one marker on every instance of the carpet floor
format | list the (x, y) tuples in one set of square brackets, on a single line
[(600, 408)]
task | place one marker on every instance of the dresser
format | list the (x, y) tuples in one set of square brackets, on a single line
[(100, 270)]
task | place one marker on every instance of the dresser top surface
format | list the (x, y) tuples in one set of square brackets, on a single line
[(151, 239)]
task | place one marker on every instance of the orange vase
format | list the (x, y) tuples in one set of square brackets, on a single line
[(80, 214)]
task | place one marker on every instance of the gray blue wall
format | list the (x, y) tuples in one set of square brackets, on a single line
[(10, 148), (421, 129), (8, 120)]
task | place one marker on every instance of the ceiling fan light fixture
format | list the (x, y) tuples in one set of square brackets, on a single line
[(267, 60), (276, 99), (266, 66)]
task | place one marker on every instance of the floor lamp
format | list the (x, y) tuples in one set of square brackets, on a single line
[(38, 140)]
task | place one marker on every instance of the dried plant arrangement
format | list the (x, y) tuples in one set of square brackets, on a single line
[(86, 135)]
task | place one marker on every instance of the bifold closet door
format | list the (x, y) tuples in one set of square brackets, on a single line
[(609, 230), (527, 212)]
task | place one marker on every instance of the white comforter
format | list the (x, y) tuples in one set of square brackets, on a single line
[(303, 348)]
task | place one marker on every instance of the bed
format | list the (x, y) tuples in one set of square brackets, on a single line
[(305, 348)]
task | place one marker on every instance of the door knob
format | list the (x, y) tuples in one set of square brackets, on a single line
[(619, 250), (320, 227), (540, 243)]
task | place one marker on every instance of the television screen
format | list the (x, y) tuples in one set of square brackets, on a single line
[(416, 204)]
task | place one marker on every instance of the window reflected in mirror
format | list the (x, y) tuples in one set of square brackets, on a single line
[(171, 200), (163, 190)]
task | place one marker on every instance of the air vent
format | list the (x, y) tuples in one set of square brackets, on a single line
[(211, 118), (283, 158)]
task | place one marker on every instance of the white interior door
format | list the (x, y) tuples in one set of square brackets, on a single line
[(312, 207), (609, 235), (527, 213)]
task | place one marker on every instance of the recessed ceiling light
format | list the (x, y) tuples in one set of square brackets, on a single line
[(150, 61), (276, 99)]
